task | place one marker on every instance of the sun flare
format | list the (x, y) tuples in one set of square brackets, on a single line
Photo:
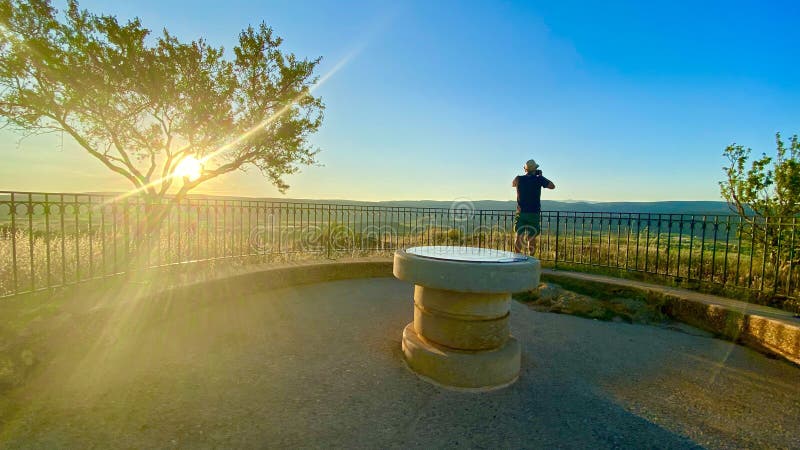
[(189, 167)]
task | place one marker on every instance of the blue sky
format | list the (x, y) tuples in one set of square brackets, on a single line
[(618, 101)]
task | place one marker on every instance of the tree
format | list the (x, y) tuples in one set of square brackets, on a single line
[(767, 188), (147, 106), (766, 194)]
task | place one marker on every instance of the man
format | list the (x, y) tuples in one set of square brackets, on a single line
[(529, 206)]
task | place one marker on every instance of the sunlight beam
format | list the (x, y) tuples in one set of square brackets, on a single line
[(325, 77)]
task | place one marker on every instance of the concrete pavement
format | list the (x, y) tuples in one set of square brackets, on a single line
[(320, 365)]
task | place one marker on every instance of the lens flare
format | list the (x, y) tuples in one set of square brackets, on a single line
[(195, 166), (189, 168)]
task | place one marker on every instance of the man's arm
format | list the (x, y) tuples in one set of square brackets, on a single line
[(515, 182), (547, 183)]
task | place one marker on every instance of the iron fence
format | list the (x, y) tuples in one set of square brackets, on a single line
[(49, 240), (753, 253)]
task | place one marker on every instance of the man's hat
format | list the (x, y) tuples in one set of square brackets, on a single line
[(531, 165)]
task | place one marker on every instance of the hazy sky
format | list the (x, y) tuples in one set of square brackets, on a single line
[(442, 100)]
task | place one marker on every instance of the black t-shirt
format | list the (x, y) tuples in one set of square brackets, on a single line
[(529, 192)]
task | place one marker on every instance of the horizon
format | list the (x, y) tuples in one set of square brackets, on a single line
[(645, 101), (338, 199)]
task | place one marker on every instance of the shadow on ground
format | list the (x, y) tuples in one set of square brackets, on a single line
[(320, 365)]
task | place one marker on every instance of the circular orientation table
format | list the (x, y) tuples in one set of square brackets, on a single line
[(460, 337)]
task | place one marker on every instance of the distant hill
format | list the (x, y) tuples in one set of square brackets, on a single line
[(664, 207), (667, 207)]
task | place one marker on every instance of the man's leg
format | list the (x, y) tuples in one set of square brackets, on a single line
[(518, 232), (523, 241), (532, 244), (536, 228)]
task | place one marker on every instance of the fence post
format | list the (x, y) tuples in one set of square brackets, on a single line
[(13, 215), (777, 257), (555, 257), (330, 244), (480, 228)]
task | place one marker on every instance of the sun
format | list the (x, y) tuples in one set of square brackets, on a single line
[(189, 168)]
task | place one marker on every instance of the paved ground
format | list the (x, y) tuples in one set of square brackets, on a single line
[(320, 366)]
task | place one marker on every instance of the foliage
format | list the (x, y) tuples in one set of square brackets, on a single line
[(768, 187), (140, 104), (766, 193)]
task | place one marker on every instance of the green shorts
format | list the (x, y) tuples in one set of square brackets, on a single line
[(527, 224)]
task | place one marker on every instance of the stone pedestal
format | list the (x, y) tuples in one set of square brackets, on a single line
[(460, 336)]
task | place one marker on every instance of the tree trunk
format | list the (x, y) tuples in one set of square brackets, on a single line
[(148, 232)]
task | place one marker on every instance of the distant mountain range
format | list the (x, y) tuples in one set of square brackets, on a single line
[(667, 207), (664, 207)]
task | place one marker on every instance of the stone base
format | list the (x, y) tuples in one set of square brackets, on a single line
[(471, 370), (460, 334)]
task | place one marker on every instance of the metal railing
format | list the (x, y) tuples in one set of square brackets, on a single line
[(757, 254), (49, 240)]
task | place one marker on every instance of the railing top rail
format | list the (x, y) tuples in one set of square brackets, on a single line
[(333, 205)]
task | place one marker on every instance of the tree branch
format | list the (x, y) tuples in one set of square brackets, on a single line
[(88, 147)]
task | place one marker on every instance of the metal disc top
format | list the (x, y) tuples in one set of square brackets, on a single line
[(466, 254)]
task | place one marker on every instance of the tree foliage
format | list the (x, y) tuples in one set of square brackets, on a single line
[(769, 187), (141, 103), (766, 194)]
